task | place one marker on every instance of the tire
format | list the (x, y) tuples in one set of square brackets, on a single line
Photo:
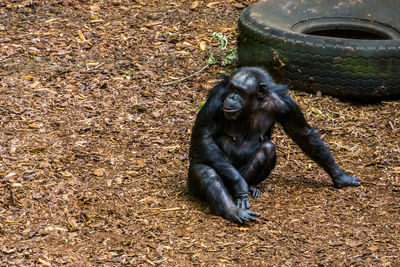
[(349, 49)]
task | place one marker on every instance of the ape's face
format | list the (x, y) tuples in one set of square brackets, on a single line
[(242, 96)]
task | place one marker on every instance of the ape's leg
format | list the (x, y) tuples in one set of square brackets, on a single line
[(205, 183), (259, 167)]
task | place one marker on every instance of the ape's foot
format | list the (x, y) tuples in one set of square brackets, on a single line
[(239, 215), (254, 191), (242, 202), (346, 180)]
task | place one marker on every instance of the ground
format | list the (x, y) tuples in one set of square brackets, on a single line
[(93, 148)]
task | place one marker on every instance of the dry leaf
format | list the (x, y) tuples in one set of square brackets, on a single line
[(194, 5), (211, 4), (95, 8), (160, 249), (239, 5), (202, 46), (45, 263), (13, 149), (66, 174), (11, 174), (35, 84), (73, 224), (140, 164), (27, 77), (99, 172), (96, 20), (242, 228), (227, 29), (355, 244), (81, 35), (34, 125)]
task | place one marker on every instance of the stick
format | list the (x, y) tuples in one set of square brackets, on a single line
[(190, 76)]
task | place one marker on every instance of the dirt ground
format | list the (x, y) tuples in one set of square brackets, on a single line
[(93, 148)]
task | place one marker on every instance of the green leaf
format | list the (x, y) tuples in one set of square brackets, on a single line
[(221, 39)]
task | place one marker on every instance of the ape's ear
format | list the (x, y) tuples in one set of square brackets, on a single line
[(262, 90)]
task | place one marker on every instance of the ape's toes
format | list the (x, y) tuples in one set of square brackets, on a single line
[(347, 180), (254, 191)]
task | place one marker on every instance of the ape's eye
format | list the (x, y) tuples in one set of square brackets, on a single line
[(237, 90)]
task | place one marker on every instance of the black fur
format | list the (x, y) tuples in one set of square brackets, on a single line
[(230, 150)]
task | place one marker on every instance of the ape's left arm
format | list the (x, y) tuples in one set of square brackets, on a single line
[(310, 142)]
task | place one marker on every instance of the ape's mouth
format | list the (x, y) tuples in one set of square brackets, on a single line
[(231, 110)]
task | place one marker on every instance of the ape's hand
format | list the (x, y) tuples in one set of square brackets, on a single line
[(242, 201), (344, 180)]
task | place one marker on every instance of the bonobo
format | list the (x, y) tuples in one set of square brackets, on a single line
[(231, 152)]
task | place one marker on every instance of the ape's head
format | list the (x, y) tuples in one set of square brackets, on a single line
[(246, 93)]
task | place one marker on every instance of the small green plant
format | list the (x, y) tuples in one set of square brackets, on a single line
[(212, 59), (223, 56), (230, 57), (199, 107), (221, 39), (317, 112)]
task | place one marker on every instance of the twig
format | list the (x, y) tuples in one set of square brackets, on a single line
[(190, 76), (340, 114), (12, 201)]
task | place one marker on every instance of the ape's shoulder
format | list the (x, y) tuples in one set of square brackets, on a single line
[(281, 90), (212, 110), (220, 89)]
